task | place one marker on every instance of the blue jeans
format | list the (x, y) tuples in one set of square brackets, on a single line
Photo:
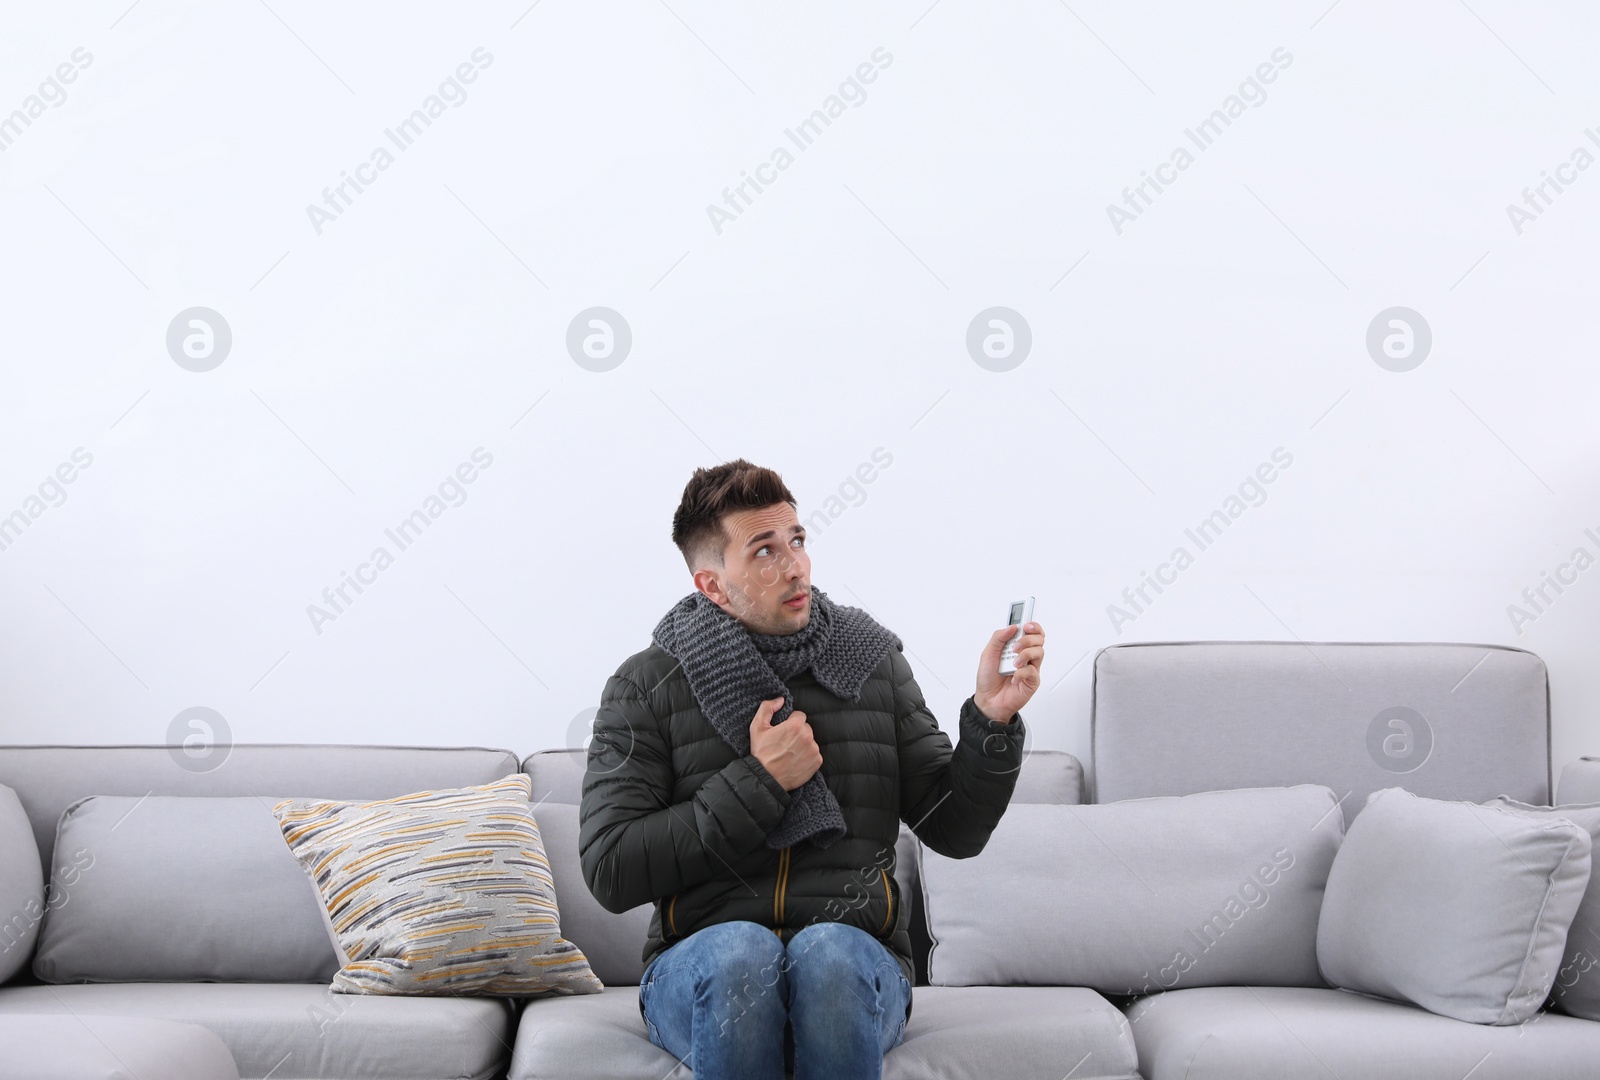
[(732, 1001)]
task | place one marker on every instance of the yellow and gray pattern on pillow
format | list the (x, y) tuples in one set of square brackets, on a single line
[(438, 892)]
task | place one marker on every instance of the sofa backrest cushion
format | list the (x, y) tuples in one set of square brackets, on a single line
[(1580, 782), (177, 889), (557, 775), (1217, 888), (48, 779), (613, 943), (1458, 907), (1046, 776), (1448, 721), (22, 895)]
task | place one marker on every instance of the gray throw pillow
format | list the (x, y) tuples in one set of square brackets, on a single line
[(1457, 907), (1218, 888), (179, 889), (22, 896), (1576, 989)]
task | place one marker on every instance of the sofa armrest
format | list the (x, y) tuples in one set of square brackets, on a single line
[(1580, 782)]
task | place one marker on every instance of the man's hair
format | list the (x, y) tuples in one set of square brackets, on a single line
[(697, 526)]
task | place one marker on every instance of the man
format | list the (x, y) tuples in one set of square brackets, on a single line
[(748, 773)]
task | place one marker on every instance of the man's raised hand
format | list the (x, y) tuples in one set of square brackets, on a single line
[(1000, 696)]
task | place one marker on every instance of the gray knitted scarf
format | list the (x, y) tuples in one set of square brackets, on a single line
[(732, 670)]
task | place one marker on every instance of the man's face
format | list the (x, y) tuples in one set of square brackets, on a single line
[(764, 564)]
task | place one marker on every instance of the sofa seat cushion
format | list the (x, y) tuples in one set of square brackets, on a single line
[(302, 1031), (1273, 1032), (110, 1048), (595, 1035), (1019, 1032)]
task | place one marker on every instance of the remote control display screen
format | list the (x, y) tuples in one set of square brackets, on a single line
[(1016, 614)]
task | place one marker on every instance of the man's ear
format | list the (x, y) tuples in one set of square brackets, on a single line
[(706, 581)]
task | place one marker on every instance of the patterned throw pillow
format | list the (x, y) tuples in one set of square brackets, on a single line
[(437, 892)]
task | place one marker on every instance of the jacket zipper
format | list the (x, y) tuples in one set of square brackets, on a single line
[(778, 893), (889, 896)]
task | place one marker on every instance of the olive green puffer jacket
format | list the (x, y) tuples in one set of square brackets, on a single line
[(671, 815)]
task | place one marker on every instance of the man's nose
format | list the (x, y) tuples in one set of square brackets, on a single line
[(787, 568)]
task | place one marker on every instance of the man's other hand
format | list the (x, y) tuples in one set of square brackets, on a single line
[(998, 696)]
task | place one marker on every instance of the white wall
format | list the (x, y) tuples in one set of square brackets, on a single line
[(826, 321)]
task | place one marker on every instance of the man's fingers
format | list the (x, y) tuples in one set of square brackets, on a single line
[(997, 640), (1032, 640), (765, 710)]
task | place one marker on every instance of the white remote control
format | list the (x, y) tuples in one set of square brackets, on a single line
[(1021, 614)]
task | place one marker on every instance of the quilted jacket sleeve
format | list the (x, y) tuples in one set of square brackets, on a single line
[(952, 798), (635, 844)]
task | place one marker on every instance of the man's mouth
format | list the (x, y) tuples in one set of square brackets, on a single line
[(797, 602)]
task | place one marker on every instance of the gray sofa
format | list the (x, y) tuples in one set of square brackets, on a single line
[(1169, 719)]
